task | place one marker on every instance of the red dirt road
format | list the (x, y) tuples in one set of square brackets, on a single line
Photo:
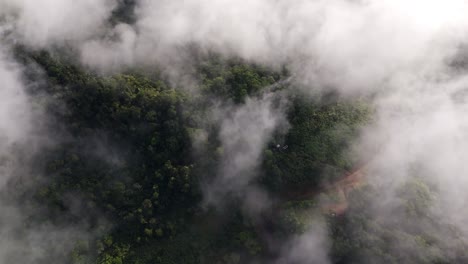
[(340, 189)]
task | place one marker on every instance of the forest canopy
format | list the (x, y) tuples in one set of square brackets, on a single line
[(201, 132)]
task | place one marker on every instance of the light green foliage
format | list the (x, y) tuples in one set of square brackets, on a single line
[(296, 217), (235, 80), (362, 235)]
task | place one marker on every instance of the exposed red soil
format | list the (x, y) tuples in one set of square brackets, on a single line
[(339, 188)]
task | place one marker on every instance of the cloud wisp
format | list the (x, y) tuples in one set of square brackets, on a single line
[(399, 52)]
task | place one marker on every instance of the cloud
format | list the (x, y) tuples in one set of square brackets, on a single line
[(400, 52), (22, 138), (41, 24), (244, 133), (16, 113), (309, 247), (348, 45)]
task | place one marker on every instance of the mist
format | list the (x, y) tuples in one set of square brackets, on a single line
[(50, 23), (322, 42), (245, 131), (22, 138), (397, 54)]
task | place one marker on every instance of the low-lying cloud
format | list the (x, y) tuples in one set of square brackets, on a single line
[(400, 52), (244, 132)]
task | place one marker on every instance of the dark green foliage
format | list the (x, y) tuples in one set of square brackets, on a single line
[(315, 149), (124, 13), (125, 151), (141, 177)]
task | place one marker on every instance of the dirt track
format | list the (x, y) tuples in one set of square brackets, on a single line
[(343, 187), (339, 188), (265, 226)]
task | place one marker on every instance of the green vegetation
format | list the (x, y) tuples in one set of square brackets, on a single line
[(126, 152), (420, 239), (316, 144)]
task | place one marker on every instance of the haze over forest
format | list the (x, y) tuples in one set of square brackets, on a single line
[(231, 132)]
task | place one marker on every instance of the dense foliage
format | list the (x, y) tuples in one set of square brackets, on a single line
[(125, 152)]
